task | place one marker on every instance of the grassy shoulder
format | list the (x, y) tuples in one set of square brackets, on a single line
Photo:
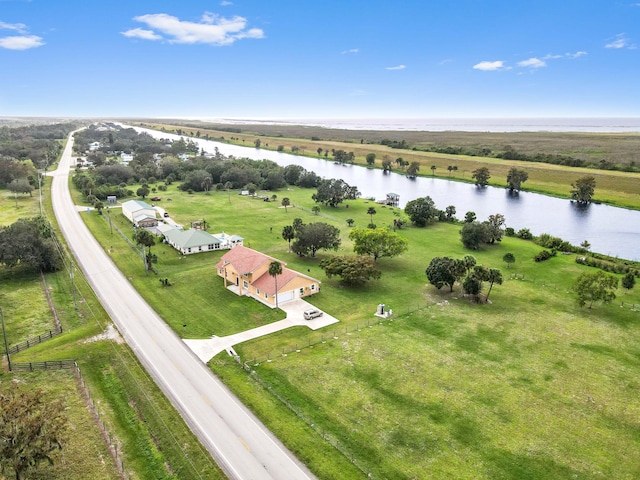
[(613, 187), (529, 386)]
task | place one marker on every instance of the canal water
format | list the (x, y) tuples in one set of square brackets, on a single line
[(610, 230)]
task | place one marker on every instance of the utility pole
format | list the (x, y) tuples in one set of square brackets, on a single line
[(6, 343), (40, 188), (73, 287), (109, 215)]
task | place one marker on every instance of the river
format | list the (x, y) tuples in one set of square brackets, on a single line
[(610, 230)]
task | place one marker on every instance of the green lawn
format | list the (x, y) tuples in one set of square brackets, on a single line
[(529, 386), (13, 207)]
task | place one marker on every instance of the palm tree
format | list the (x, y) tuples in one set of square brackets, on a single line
[(275, 269), (285, 203), (494, 276), (371, 212), (288, 233), (227, 187)]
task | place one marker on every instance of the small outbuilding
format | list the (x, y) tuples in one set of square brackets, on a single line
[(393, 199)]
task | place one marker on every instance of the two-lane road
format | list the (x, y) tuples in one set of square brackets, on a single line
[(240, 444)]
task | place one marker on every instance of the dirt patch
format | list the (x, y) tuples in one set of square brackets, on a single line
[(111, 333)]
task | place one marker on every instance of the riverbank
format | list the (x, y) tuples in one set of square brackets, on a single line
[(616, 188)]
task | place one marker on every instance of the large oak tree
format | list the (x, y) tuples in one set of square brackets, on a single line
[(378, 242), (32, 429)]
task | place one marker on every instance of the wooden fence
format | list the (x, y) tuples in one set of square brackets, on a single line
[(48, 365), (30, 342)]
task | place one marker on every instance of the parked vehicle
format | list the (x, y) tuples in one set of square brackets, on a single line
[(166, 214), (312, 313)]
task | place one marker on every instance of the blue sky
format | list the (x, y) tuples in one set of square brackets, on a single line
[(320, 59)]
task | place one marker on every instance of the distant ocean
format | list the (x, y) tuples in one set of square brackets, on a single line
[(602, 124)]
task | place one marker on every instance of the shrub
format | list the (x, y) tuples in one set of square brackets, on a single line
[(509, 232), (628, 281), (525, 234), (544, 255)]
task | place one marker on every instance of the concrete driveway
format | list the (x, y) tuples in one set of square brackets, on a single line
[(209, 348)]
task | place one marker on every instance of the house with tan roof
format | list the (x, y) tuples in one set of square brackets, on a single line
[(246, 272)]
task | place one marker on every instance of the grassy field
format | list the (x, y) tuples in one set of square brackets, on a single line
[(26, 206), (84, 453), (155, 441), (613, 187), (529, 386)]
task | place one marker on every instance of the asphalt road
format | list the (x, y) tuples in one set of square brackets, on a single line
[(243, 447)]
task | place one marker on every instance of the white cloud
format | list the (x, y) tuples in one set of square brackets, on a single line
[(142, 33), (576, 54), (490, 66), (23, 42), (212, 29), (351, 50), (532, 63), (225, 3), (18, 27), (397, 67), (620, 41)]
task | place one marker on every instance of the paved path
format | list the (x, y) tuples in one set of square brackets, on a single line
[(243, 447), (207, 349)]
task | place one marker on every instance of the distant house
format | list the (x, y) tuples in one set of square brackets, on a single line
[(140, 213), (246, 271), (94, 146), (126, 158)]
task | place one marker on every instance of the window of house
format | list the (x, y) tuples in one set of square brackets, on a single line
[(245, 284), (313, 286), (266, 295), (200, 248), (189, 249), (302, 291), (257, 291)]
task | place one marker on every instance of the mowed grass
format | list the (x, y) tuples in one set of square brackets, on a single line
[(14, 207), (84, 453), (528, 386), (24, 304)]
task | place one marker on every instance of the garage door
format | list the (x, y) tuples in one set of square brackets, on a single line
[(285, 296)]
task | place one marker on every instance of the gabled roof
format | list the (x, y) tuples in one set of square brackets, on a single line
[(143, 216), (164, 228), (190, 238), (266, 282), (135, 205), (244, 259)]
